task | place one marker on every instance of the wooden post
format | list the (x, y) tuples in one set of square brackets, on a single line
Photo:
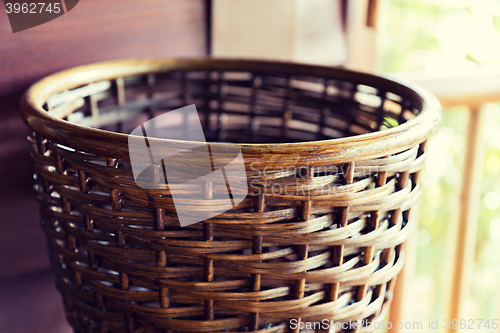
[(468, 216), (362, 38)]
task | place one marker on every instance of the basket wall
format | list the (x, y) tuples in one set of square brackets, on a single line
[(329, 247)]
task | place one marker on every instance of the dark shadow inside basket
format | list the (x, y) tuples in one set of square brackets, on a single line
[(239, 107)]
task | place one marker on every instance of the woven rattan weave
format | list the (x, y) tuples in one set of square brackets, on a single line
[(346, 146)]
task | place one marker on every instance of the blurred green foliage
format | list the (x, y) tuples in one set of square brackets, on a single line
[(432, 34)]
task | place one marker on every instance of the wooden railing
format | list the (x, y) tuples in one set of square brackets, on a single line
[(473, 89)]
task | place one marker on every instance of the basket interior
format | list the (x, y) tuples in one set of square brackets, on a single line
[(239, 107)]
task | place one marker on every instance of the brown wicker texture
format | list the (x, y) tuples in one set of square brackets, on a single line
[(348, 147)]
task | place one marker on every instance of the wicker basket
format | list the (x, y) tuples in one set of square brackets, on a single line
[(347, 146)]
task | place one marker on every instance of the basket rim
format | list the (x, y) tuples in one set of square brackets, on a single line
[(358, 147)]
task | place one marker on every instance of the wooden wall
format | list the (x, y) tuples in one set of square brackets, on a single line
[(287, 30), (95, 30)]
